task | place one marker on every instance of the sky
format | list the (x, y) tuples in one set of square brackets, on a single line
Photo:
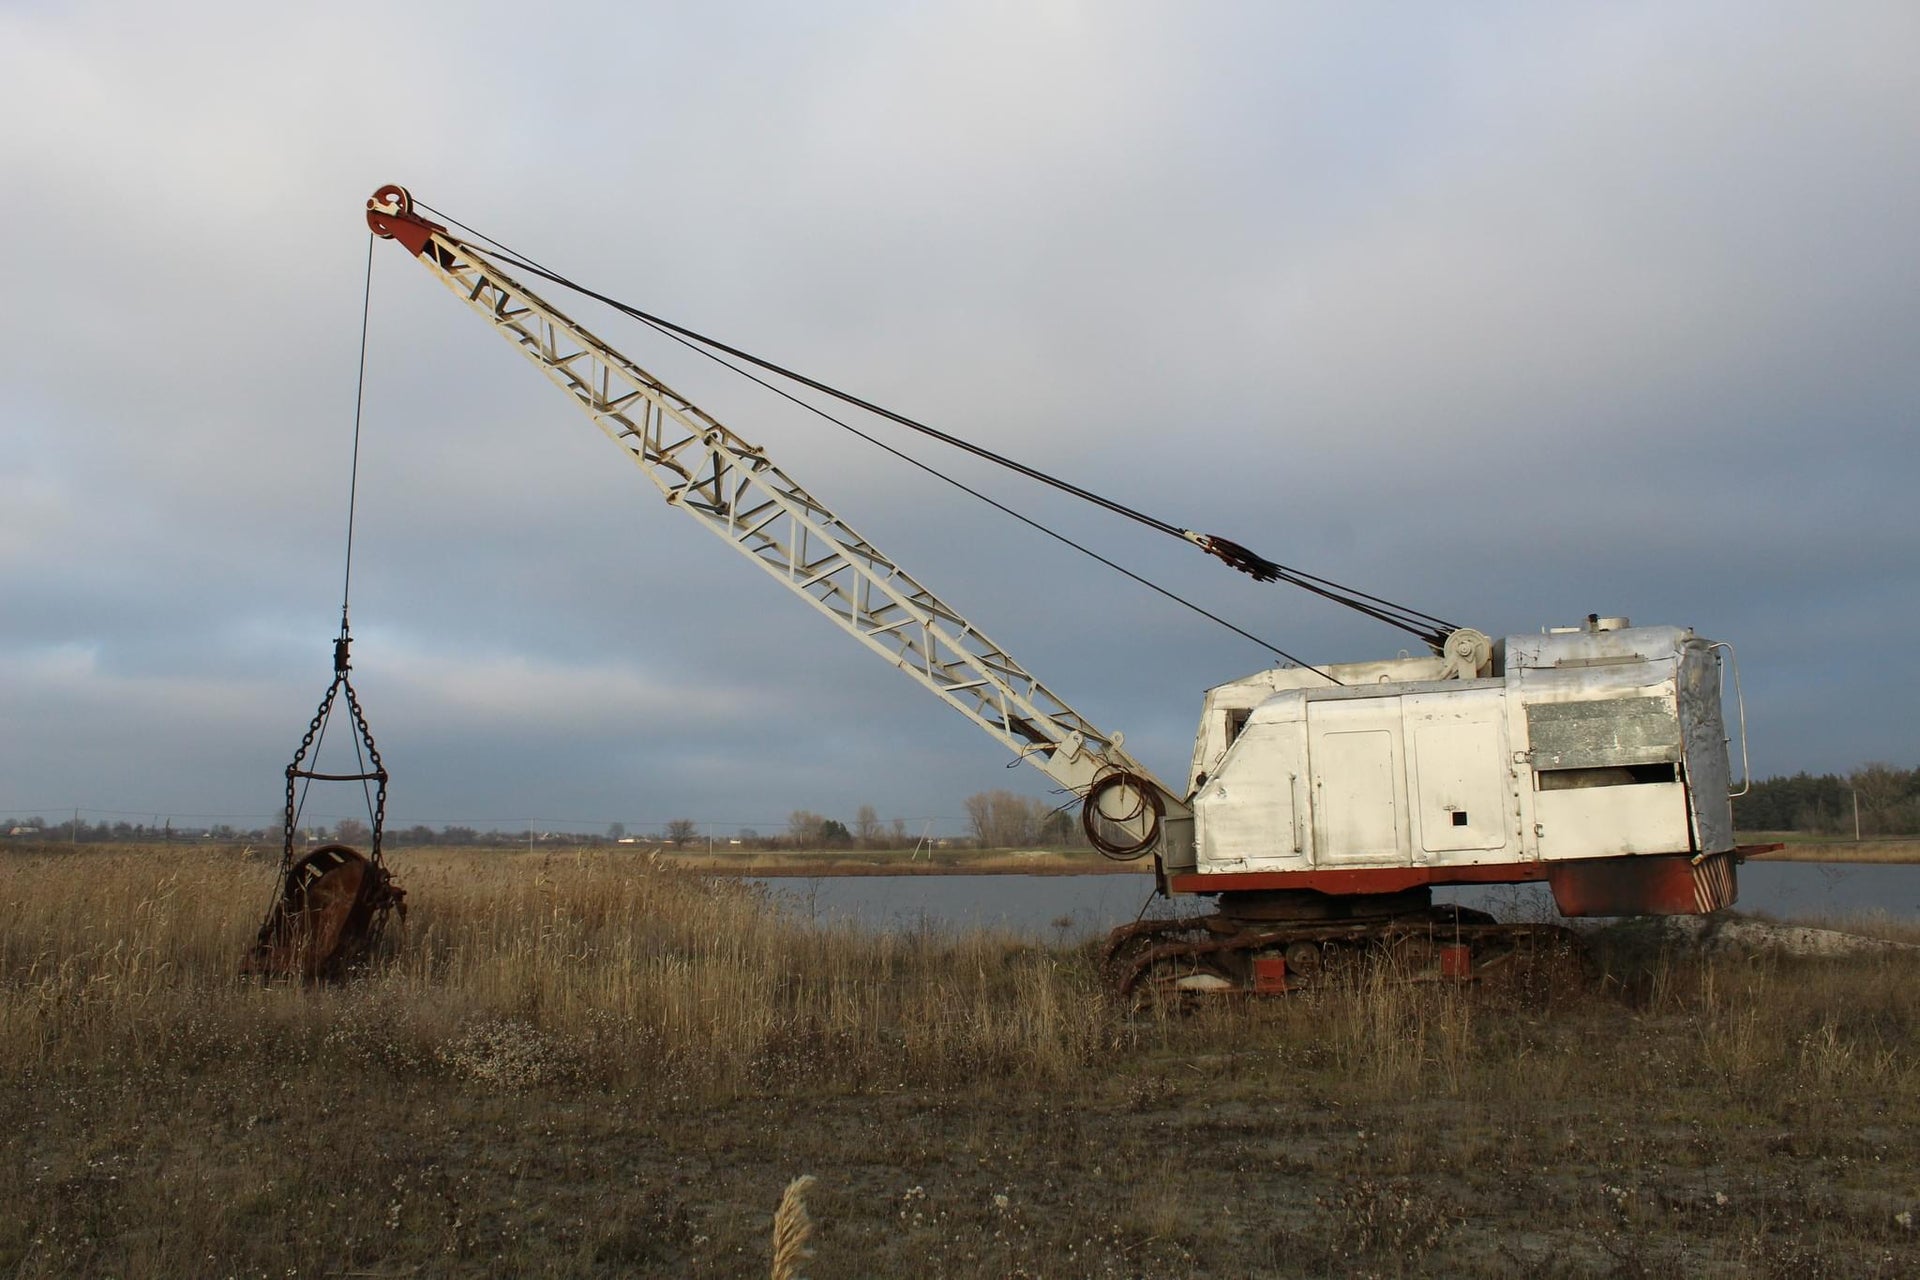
[(1513, 315)]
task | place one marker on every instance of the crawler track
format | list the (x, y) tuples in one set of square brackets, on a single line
[(1217, 955)]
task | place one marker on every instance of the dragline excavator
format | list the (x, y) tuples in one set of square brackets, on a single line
[(1322, 804)]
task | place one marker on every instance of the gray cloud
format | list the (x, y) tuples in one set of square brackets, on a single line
[(1559, 310)]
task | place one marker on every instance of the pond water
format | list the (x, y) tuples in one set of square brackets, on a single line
[(1068, 908), (1064, 908)]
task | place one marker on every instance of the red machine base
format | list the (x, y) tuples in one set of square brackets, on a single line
[(1643, 885)]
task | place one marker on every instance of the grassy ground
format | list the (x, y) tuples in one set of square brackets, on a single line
[(579, 1067), (1806, 848)]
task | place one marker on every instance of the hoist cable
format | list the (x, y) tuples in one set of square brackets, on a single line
[(360, 767), (323, 718), (961, 485), (320, 740), (967, 446), (1425, 625), (353, 495), (359, 403), (965, 488)]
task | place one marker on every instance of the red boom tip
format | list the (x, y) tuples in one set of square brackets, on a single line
[(390, 216)]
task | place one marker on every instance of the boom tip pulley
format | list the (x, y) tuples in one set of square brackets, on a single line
[(392, 198), (390, 216)]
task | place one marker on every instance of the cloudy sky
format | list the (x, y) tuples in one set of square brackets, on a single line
[(1515, 317)]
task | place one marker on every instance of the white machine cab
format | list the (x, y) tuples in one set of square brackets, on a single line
[(1604, 741)]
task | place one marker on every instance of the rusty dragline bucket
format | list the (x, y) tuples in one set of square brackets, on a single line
[(331, 911), (333, 902)]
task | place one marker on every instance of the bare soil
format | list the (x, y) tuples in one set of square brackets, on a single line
[(1635, 1141)]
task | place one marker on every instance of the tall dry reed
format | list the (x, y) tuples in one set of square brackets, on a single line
[(518, 969)]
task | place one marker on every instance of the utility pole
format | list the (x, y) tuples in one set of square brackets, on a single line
[(1856, 815)]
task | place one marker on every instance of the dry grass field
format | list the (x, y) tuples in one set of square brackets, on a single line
[(1804, 848), (583, 1064)]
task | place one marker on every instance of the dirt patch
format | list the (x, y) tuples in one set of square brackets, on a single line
[(1727, 933), (1151, 1170)]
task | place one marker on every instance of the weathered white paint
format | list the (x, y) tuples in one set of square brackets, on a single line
[(1398, 767)]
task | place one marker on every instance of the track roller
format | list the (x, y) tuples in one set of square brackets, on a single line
[(1197, 957)]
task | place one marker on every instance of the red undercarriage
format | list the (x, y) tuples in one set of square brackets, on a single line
[(1646, 884)]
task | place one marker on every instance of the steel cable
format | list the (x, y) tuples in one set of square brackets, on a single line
[(1427, 626), (936, 473)]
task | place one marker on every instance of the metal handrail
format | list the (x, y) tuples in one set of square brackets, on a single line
[(1740, 701)]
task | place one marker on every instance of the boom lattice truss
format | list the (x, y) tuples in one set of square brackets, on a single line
[(733, 490)]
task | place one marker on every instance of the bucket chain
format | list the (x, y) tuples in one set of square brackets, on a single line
[(378, 774)]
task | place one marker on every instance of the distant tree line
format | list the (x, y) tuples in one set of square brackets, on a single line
[(996, 820), (805, 830), (1007, 820), (1816, 804), (809, 830), (1823, 804), (349, 831), (80, 831)]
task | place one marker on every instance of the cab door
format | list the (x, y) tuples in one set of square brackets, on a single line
[(1463, 780), (1356, 756)]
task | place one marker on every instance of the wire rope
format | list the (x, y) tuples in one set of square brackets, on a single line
[(942, 476), (1427, 626), (353, 496), (359, 405), (342, 643)]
